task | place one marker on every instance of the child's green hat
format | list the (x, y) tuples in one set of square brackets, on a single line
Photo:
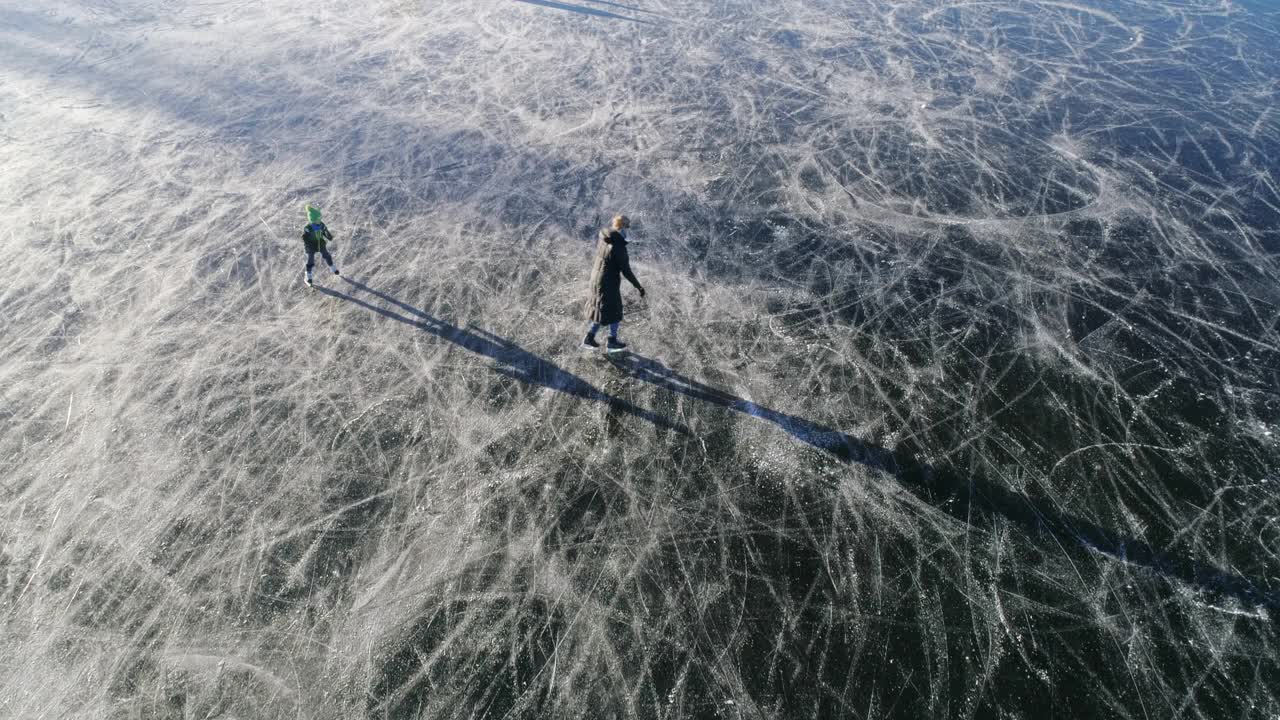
[(313, 214)]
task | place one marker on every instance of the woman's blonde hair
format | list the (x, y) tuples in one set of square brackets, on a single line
[(621, 221)]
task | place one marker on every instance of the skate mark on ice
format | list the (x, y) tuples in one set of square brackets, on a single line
[(631, 8), (970, 499), (583, 10)]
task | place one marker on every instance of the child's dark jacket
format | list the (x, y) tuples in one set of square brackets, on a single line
[(315, 236)]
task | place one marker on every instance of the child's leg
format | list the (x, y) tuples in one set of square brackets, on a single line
[(595, 328), (328, 259), (613, 330)]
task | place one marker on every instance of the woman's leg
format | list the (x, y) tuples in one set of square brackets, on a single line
[(614, 343)]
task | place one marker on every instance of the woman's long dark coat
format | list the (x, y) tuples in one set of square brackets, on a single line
[(604, 306)]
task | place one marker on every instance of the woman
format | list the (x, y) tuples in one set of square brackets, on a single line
[(612, 264)]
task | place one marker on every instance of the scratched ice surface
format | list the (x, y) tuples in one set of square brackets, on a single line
[(954, 395)]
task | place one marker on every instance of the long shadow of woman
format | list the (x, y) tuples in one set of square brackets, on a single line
[(971, 499)]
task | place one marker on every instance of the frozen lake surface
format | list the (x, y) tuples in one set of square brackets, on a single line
[(956, 392)]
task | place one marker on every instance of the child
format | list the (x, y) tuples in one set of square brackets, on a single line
[(315, 236), (604, 307)]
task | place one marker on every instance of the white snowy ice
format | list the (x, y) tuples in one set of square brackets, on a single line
[(951, 396)]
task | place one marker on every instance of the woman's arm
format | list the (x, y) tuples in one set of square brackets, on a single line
[(624, 263)]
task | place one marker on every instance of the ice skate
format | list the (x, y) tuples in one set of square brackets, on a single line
[(334, 268), (589, 343), (615, 345), (306, 280)]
